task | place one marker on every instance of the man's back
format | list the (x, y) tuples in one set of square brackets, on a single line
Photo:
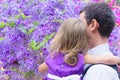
[(100, 71)]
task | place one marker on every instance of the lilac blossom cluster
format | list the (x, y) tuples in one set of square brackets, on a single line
[(26, 28)]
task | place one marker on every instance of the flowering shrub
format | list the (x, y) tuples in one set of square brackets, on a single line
[(26, 28)]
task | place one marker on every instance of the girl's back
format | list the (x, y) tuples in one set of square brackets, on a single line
[(57, 66)]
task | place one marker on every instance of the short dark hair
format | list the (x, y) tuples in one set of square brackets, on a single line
[(103, 14)]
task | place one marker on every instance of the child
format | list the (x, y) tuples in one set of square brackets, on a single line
[(68, 53)]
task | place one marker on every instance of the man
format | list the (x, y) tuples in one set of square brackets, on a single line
[(99, 21)]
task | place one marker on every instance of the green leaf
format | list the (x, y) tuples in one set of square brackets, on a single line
[(13, 68), (57, 20), (7, 24), (42, 0), (2, 24), (12, 24), (33, 44), (49, 36), (21, 27), (1, 39), (40, 45), (86, 0), (17, 16), (63, 11), (31, 30), (23, 16), (37, 45), (29, 16), (35, 23), (28, 74)]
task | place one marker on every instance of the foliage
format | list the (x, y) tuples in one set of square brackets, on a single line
[(26, 28)]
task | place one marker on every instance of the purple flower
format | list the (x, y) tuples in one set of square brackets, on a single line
[(28, 24)]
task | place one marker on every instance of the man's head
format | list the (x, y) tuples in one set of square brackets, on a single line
[(98, 16)]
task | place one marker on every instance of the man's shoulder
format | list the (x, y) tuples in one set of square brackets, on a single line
[(100, 50), (101, 72), (102, 68)]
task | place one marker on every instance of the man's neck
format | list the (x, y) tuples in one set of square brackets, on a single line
[(95, 41)]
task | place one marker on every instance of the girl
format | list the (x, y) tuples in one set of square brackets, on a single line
[(68, 53)]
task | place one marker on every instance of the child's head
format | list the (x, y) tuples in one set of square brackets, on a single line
[(70, 38)]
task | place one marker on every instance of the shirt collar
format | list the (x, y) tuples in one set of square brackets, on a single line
[(99, 49)]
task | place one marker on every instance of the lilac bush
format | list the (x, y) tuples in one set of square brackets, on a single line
[(114, 41), (27, 27)]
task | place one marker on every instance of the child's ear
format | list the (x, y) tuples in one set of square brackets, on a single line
[(94, 25)]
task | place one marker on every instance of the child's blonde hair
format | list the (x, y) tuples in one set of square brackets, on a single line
[(70, 38)]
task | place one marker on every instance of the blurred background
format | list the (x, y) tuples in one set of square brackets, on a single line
[(27, 27)]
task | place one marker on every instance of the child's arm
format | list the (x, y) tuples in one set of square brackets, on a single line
[(43, 68), (105, 59)]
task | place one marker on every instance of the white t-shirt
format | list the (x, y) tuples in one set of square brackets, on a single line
[(100, 71)]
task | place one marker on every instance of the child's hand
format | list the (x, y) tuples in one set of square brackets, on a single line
[(43, 68)]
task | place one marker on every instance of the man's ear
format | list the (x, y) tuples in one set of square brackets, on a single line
[(94, 25)]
